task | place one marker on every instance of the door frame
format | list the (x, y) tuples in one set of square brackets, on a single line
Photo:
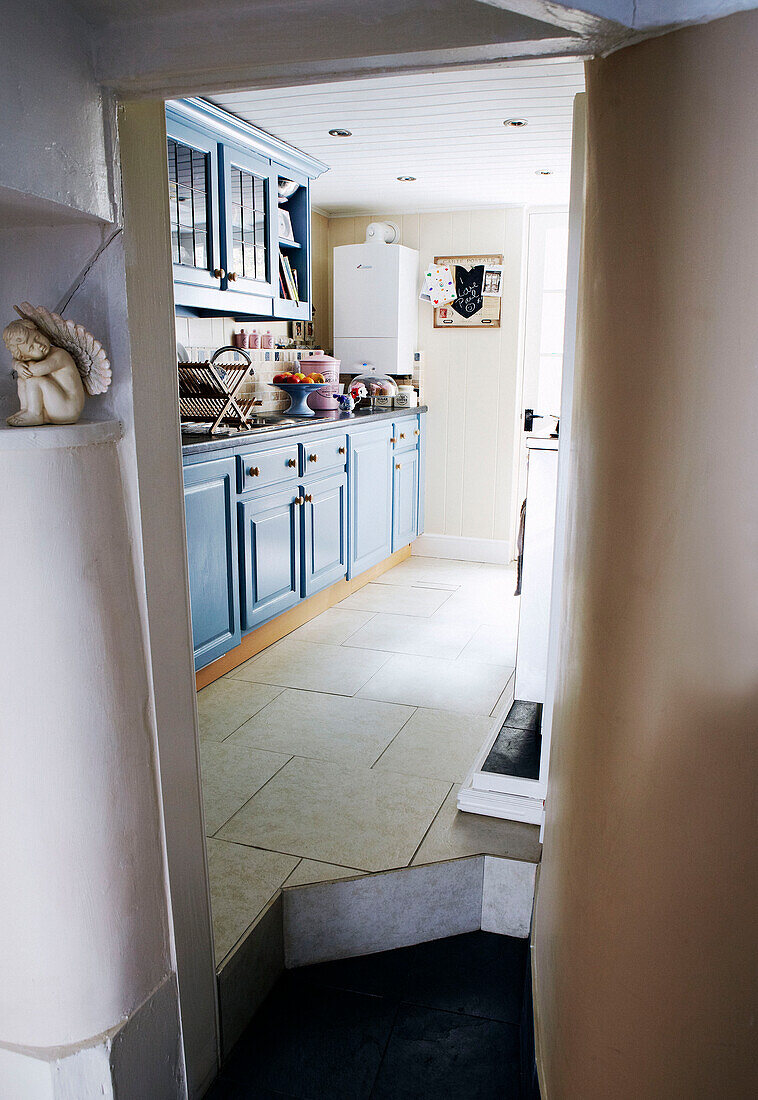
[(517, 482), (157, 459)]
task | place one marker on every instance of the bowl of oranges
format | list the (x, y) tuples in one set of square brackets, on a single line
[(297, 387)]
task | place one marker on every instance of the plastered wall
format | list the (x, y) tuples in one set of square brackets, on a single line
[(471, 379), (644, 928)]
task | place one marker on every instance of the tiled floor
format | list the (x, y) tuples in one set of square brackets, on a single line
[(440, 1019), (339, 750)]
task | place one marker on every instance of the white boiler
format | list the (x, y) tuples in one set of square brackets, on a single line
[(375, 306)]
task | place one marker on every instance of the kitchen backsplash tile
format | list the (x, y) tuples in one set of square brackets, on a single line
[(202, 335)]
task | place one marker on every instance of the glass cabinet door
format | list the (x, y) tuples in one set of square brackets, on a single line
[(248, 197), (193, 206)]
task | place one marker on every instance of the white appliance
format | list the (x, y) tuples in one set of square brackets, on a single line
[(375, 306)]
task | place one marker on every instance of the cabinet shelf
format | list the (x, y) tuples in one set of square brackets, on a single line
[(289, 244)]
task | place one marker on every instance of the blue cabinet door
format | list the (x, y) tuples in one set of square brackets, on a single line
[(193, 208), (270, 555), (212, 557), (370, 503), (324, 533), (404, 497), (249, 253)]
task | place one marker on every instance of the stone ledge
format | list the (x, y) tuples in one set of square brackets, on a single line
[(50, 437)]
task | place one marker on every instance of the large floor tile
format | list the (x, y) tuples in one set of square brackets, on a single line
[(396, 599), (313, 1044), (465, 687), (436, 744), (480, 606), (223, 706), (405, 634), (449, 1056), (443, 571), (242, 880), (312, 666), (336, 814), (310, 870), (493, 645), (325, 727), (515, 752), (332, 627), (478, 973), (456, 834), (230, 773)]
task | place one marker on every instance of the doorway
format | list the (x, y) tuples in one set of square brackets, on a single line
[(448, 584)]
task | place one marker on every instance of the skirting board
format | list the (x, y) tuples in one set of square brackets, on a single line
[(513, 807), (460, 548)]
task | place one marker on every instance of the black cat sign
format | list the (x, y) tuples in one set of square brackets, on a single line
[(478, 288)]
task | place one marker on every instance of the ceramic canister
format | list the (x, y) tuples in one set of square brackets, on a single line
[(330, 368)]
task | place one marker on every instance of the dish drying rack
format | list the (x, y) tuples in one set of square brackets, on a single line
[(208, 392)]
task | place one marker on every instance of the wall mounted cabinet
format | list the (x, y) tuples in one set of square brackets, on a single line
[(226, 238), (303, 512)]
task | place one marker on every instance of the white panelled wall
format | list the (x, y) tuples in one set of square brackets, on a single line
[(471, 382)]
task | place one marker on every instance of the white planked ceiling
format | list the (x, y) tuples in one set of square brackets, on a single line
[(444, 128)]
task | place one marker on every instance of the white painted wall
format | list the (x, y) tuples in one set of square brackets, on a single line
[(54, 142), (470, 377), (86, 940)]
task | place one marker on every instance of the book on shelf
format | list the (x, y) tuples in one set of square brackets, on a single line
[(289, 278)]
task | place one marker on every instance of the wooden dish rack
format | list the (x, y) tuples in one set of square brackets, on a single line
[(208, 392)]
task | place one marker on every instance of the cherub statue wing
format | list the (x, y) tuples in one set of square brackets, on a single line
[(87, 352)]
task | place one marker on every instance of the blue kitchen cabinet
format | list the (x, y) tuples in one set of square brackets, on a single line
[(324, 533), (226, 237), (209, 505), (405, 483), (370, 496), (270, 554)]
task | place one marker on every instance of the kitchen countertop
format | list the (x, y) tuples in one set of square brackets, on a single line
[(274, 425)]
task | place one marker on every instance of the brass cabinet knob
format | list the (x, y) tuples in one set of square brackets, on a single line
[(392, 439), (218, 273), (341, 450), (298, 500), (291, 462), (402, 435), (313, 458), (308, 498), (416, 432), (254, 471), (398, 465), (232, 276)]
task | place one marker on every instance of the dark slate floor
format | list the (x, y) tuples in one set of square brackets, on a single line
[(438, 1020), (516, 750)]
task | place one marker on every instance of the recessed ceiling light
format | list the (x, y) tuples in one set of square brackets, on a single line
[(406, 179), (544, 172), (517, 123), (339, 132)]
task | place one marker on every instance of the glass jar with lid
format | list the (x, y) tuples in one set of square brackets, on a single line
[(373, 387)]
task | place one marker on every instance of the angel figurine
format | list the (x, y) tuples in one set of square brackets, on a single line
[(56, 362)]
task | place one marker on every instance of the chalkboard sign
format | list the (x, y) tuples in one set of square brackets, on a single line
[(470, 309)]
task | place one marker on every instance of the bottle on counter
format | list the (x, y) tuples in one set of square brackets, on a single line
[(254, 340), (267, 340)]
